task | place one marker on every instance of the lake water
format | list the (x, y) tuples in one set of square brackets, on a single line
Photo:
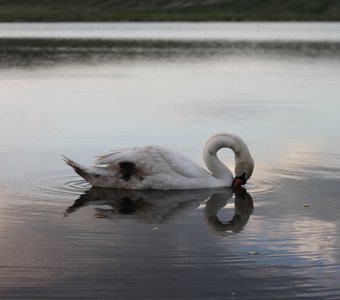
[(83, 89)]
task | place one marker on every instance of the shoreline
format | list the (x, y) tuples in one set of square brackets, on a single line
[(169, 11), (174, 20)]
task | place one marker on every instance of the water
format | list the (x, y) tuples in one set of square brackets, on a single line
[(254, 31), (117, 85)]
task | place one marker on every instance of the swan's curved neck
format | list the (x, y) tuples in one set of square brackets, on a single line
[(215, 143)]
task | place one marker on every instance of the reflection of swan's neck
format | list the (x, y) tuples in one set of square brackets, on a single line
[(243, 210), (215, 143)]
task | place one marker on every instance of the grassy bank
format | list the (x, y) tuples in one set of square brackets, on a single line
[(169, 10)]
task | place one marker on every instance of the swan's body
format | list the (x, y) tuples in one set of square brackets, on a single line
[(153, 167)]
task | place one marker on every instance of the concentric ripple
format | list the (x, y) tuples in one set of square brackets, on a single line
[(62, 184), (57, 184), (261, 187)]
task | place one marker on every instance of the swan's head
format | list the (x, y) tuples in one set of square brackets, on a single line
[(243, 171)]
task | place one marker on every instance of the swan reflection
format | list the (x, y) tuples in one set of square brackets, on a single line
[(243, 209), (160, 206)]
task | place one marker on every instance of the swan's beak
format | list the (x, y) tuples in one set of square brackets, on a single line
[(239, 181)]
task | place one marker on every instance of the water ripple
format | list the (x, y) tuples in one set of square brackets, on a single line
[(58, 184), (260, 187)]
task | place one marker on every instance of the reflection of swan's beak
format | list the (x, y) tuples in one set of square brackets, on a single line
[(240, 191)]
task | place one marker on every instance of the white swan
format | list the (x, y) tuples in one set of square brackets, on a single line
[(153, 167)]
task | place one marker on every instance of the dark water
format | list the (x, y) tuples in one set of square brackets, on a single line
[(276, 87)]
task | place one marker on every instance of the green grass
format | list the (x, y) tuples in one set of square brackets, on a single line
[(169, 10)]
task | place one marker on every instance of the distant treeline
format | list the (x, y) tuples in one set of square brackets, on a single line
[(169, 10)]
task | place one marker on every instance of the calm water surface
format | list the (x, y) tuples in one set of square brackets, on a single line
[(84, 89), (326, 31)]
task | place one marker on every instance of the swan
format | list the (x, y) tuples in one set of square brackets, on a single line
[(156, 168)]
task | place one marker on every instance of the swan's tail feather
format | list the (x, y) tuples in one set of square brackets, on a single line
[(79, 169)]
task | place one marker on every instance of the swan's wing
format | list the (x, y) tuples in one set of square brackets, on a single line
[(180, 164), (151, 160), (122, 155)]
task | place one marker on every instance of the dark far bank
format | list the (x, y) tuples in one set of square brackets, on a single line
[(165, 10)]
